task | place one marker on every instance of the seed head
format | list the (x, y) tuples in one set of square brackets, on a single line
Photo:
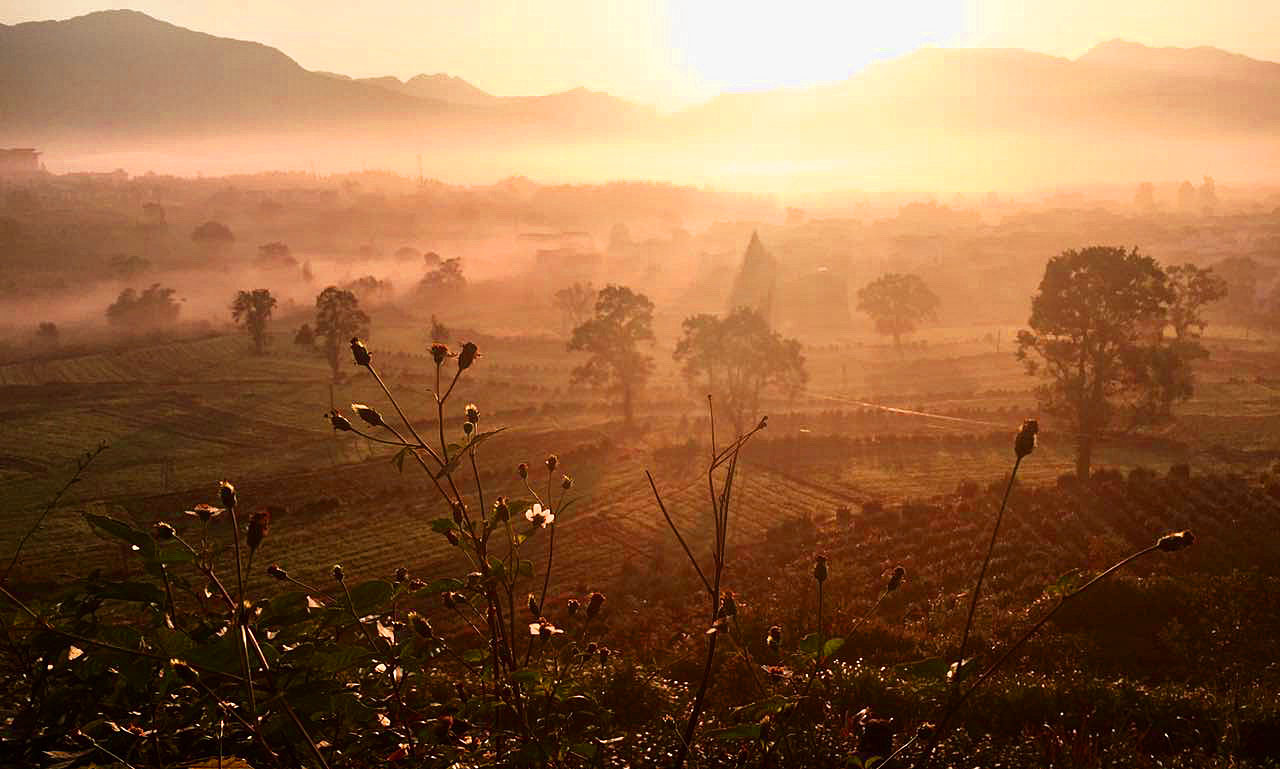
[(593, 604), (472, 413), (259, 525), (163, 531), (532, 603), (439, 352), (1176, 541), (369, 414), (895, 581), (402, 575), (573, 607), (360, 352), (820, 568), (339, 422), (337, 572), (420, 625), (467, 356), (566, 482), (1025, 443), (228, 494), (276, 572), (522, 470)]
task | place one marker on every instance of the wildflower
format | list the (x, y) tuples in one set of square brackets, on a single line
[(1176, 541), (1025, 443), (439, 352), (895, 581), (420, 625), (594, 603), (773, 639), (369, 414), (552, 461), (337, 572), (728, 606), (275, 571), (500, 510), (467, 356), (539, 516), (543, 629), (573, 607), (339, 422), (522, 470), (360, 352), (820, 568), (228, 494), (402, 575), (472, 413), (532, 603), (204, 512), (259, 525), (566, 482), (163, 531)]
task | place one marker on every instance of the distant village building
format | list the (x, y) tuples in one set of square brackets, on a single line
[(22, 160)]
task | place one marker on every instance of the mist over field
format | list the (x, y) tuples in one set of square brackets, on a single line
[(640, 384)]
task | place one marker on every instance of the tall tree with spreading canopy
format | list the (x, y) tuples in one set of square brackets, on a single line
[(623, 320), (898, 304), (254, 309), (738, 358), (338, 318), (574, 303), (1097, 336)]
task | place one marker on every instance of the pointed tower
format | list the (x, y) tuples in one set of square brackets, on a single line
[(754, 284)]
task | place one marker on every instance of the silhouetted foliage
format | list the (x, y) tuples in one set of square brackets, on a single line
[(254, 308), (338, 319), (154, 308), (275, 255), (213, 234), (623, 319), (446, 277), (898, 304), (574, 303)]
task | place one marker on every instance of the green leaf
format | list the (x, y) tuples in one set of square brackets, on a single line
[(123, 531), (371, 595), (1065, 584), (810, 644), (475, 655), (457, 454), (527, 676), (831, 647), (441, 525), (525, 568), (739, 732), (443, 585)]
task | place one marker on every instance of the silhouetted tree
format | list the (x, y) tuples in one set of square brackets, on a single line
[(151, 309), (439, 332), (275, 254), (1192, 289), (447, 277), (47, 333), (254, 308), (338, 318), (623, 319), (213, 233), (574, 303), (898, 303), (737, 358), (1096, 335), (305, 337)]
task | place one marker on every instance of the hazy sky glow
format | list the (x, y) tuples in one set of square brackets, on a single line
[(673, 52)]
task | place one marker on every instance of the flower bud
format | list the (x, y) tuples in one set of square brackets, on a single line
[(566, 483), (593, 647), (573, 607), (472, 413), (895, 581), (163, 531), (337, 572), (1025, 443), (360, 352), (522, 470), (439, 352), (594, 603), (1176, 541), (500, 509), (467, 356), (339, 422), (402, 575), (369, 414), (276, 572), (604, 655), (259, 526), (552, 461), (468, 428), (420, 625), (533, 606), (820, 568), (774, 638), (228, 494)]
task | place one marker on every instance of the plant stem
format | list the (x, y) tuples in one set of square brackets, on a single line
[(977, 589), (81, 465)]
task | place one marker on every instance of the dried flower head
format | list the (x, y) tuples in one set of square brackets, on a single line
[(1176, 541), (402, 575), (439, 352), (472, 413), (573, 607), (227, 492), (359, 352), (594, 603), (1025, 443), (539, 515), (420, 625), (820, 567), (259, 526), (566, 482), (204, 512), (276, 572), (338, 573), (895, 581), (552, 461), (522, 470), (467, 356), (369, 414), (339, 422)]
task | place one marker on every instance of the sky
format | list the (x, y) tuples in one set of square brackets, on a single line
[(671, 53)]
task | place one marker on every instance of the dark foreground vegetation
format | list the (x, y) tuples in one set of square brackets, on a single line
[(1153, 647)]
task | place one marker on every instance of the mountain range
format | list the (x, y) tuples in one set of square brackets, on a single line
[(121, 80)]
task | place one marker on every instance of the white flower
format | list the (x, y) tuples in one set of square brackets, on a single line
[(538, 515)]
